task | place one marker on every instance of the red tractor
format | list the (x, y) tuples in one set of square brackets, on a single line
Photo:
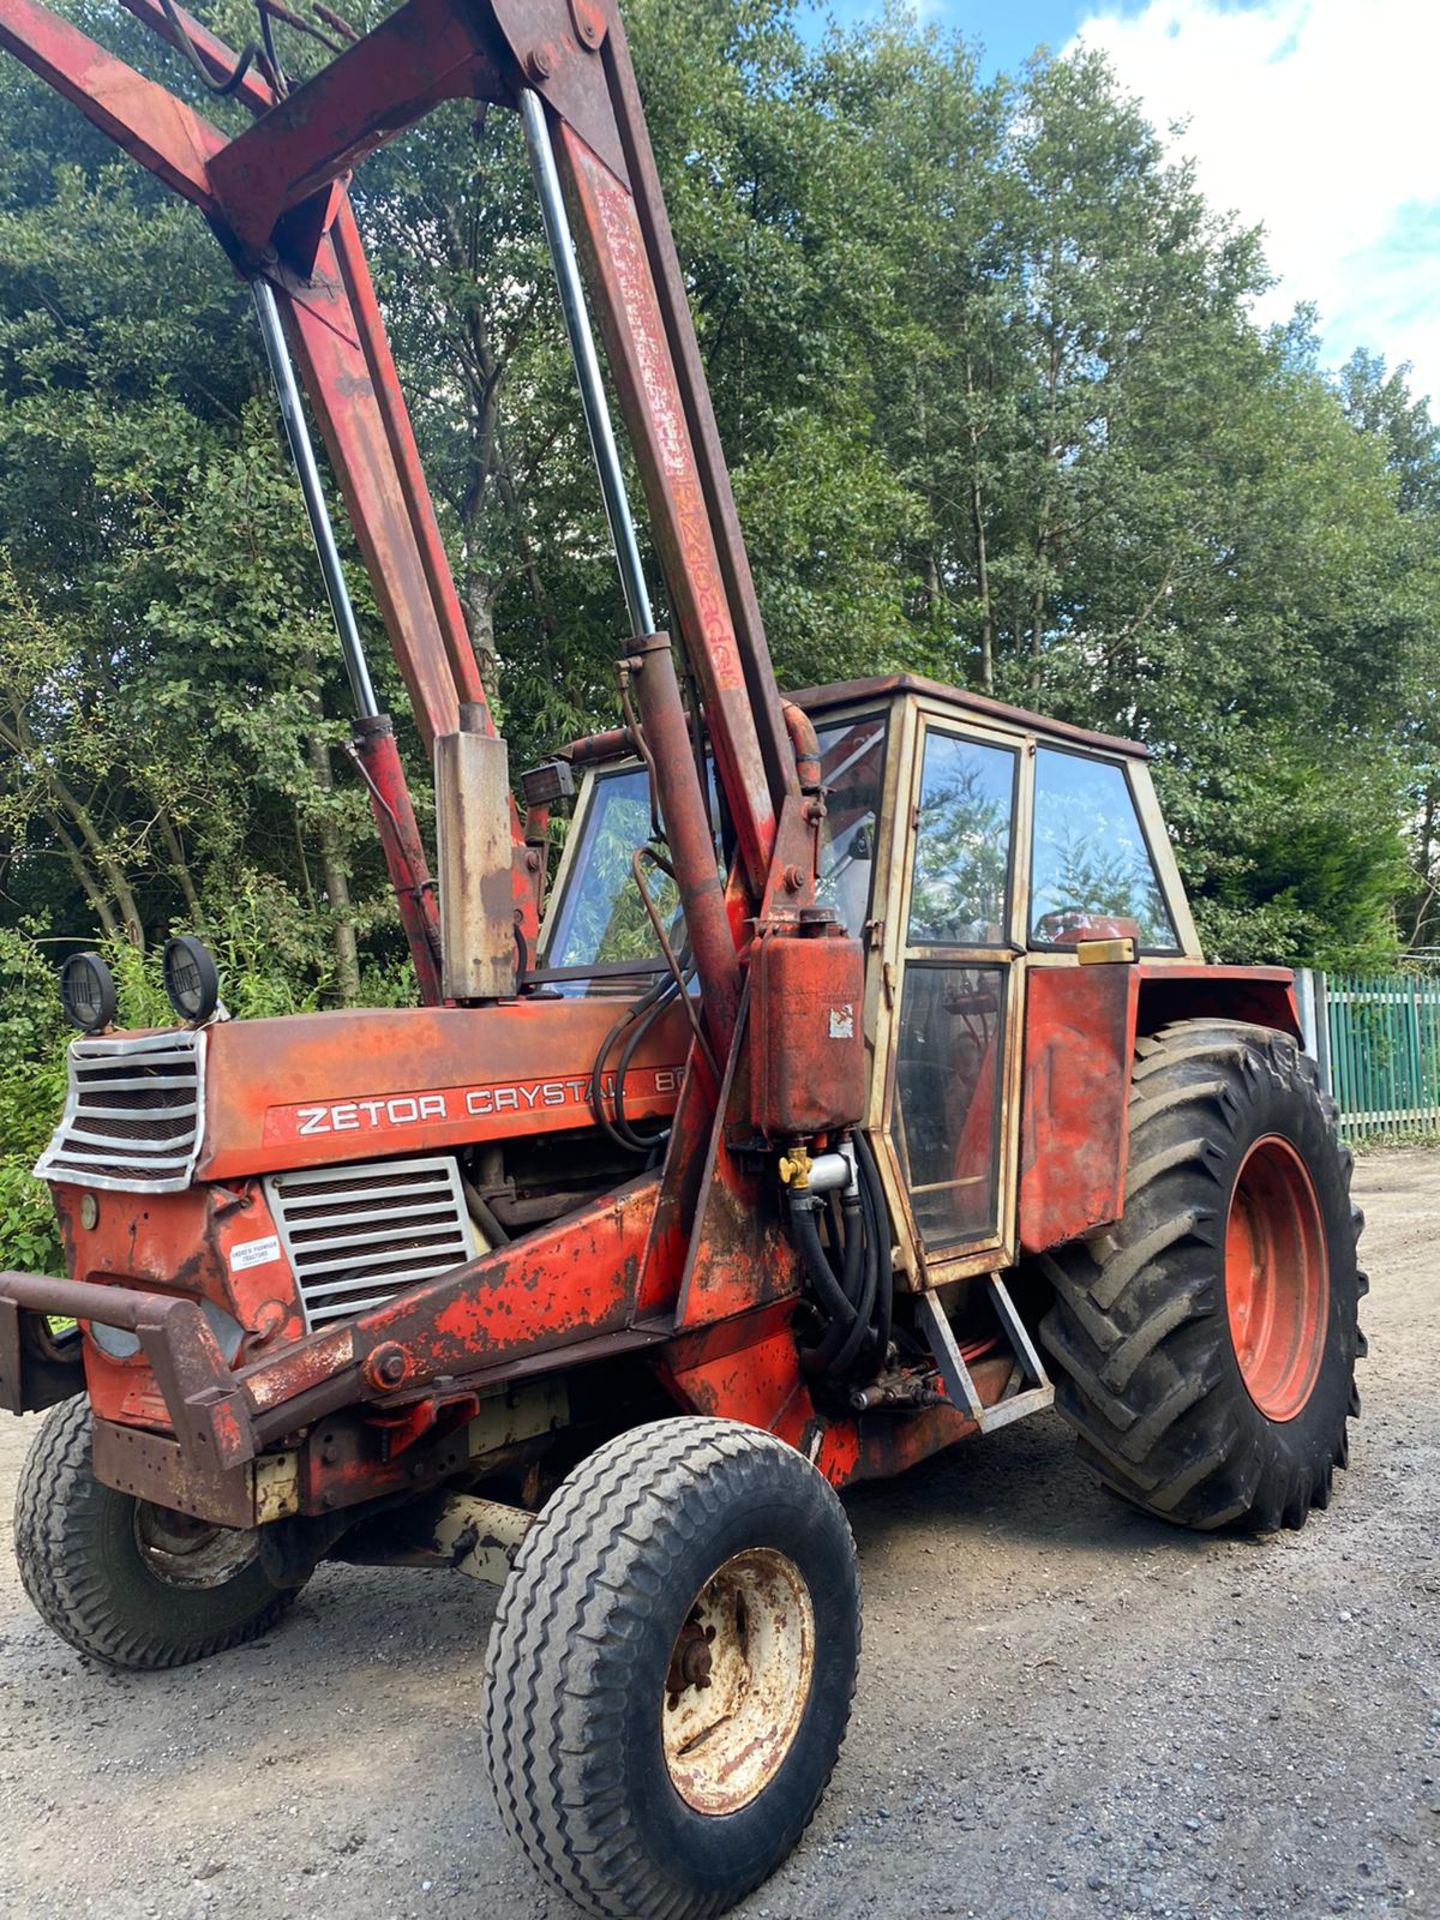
[(857, 1069)]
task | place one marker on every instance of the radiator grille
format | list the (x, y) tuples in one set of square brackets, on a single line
[(134, 1110), (357, 1235)]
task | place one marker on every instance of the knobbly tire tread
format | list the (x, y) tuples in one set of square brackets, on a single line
[(1138, 1329), (65, 1523), (590, 1581)]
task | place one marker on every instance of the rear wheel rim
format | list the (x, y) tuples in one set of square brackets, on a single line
[(738, 1681), (1277, 1279)]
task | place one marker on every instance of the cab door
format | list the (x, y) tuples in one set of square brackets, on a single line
[(953, 984)]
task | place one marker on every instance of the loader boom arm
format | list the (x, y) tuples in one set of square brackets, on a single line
[(275, 197)]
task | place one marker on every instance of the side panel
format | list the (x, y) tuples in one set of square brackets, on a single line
[(1073, 1135), (1080, 1031), (1263, 995)]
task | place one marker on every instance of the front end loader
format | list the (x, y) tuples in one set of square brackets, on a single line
[(854, 1086)]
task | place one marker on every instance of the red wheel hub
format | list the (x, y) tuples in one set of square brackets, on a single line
[(1277, 1280)]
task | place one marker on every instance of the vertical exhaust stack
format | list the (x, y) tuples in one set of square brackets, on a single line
[(478, 951)]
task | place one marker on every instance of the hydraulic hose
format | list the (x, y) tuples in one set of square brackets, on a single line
[(870, 1185), (622, 1133), (858, 1302), (843, 1336), (834, 1302), (863, 1329)]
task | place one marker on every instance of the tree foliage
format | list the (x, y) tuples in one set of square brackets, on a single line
[(987, 371)]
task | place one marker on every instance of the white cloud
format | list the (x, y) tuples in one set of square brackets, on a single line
[(1317, 119)]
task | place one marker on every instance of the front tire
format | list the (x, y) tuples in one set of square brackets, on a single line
[(671, 1669), (1206, 1344), (133, 1584)]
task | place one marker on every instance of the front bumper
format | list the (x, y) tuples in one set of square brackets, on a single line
[(208, 1410)]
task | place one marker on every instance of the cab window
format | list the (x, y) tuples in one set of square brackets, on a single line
[(1091, 867), (961, 887), (852, 769)]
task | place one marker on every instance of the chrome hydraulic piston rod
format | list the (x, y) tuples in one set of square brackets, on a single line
[(587, 365), (282, 371)]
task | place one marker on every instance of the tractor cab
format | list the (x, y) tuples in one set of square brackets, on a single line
[(971, 846)]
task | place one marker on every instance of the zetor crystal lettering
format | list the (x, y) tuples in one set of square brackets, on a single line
[(455, 1104)]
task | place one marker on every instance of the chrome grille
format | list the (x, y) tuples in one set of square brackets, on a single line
[(134, 1112), (357, 1235)]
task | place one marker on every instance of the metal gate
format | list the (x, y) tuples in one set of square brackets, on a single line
[(1384, 1052)]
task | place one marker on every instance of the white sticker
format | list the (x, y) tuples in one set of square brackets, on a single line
[(255, 1253), (842, 1022)]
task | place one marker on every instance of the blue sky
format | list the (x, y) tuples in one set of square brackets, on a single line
[(1008, 29), (1313, 118)]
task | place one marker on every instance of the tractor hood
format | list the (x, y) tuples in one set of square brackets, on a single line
[(150, 1112)]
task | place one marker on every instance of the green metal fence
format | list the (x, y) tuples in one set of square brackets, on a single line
[(1384, 1052)]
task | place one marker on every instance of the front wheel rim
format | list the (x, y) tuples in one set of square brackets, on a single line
[(183, 1552), (1277, 1278), (738, 1682)]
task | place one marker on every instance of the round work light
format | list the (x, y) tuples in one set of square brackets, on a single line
[(192, 980), (87, 992)]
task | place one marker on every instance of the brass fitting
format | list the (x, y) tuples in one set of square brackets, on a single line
[(795, 1167)]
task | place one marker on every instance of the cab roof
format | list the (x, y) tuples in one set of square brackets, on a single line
[(845, 693)]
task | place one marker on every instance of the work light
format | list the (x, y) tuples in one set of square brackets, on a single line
[(87, 992), (192, 980)]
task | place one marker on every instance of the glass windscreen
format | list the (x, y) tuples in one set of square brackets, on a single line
[(962, 844), (599, 919), (1091, 869)]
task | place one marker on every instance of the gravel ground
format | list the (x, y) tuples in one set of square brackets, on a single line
[(1064, 1708)]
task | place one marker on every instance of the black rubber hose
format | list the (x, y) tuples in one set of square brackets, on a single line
[(632, 1144), (858, 1288), (833, 1300), (861, 1332), (852, 1239), (879, 1226), (627, 1054)]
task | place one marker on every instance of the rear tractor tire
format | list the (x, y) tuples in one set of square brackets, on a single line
[(671, 1669), (131, 1583), (1206, 1344)]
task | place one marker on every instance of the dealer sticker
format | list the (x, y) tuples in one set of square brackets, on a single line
[(254, 1253)]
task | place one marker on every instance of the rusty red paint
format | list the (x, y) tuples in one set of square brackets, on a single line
[(181, 1244), (639, 352), (761, 1384), (846, 693), (1074, 1100), (154, 127), (399, 834), (423, 53), (1171, 990), (151, 1466), (326, 341), (737, 1256), (686, 1158), (705, 1239), (315, 1089), (565, 1283), (453, 635), (689, 836), (807, 1043)]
